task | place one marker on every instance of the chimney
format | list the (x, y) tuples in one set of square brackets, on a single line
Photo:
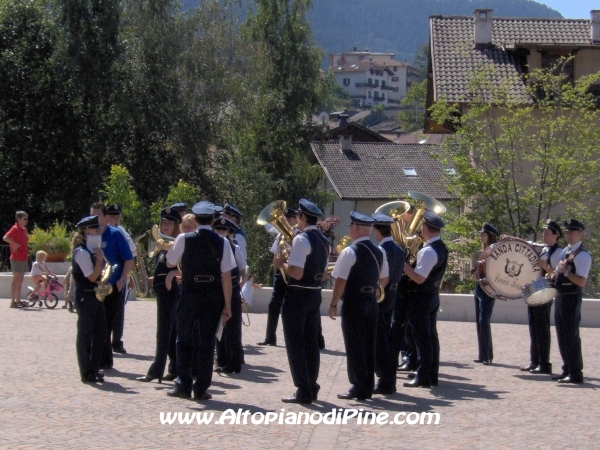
[(345, 142), (482, 31), (595, 26), (343, 119)]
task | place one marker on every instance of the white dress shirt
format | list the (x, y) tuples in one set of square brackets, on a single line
[(175, 253), (347, 259)]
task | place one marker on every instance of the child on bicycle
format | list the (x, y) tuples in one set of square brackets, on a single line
[(39, 273)]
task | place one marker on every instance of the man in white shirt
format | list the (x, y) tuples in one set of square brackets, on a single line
[(571, 275), (357, 272), (426, 274), (206, 262)]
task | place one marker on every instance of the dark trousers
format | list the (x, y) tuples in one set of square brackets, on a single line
[(300, 318), (166, 332), (484, 306), (567, 316), (117, 336), (203, 308), (111, 306), (401, 337), (384, 364), (275, 304), (422, 316), (539, 332), (359, 328), (91, 334), (229, 348)]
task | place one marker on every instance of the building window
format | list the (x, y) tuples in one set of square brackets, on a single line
[(376, 83), (372, 71), (382, 84), (369, 94), (382, 96), (395, 68), (370, 81), (346, 81), (410, 172), (395, 79)]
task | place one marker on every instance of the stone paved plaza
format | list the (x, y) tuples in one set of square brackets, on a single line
[(44, 405)]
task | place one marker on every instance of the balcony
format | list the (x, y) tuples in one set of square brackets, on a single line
[(389, 88), (366, 85)]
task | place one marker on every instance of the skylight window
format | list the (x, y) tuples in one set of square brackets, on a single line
[(410, 172), (450, 171)]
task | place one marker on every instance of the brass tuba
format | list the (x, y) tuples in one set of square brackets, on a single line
[(408, 235), (103, 289), (273, 214)]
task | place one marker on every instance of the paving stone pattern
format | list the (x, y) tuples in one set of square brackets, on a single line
[(43, 404)]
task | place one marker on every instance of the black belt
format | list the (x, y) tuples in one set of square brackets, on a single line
[(204, 278), (367, 289)]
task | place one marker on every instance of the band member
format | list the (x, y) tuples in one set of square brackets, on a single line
[(229, 348), (279, 285), (571, 275), (484, 304), (357, 271), (91, 319), (206, 263), (119, 256), (181, 208), (232, 213), (401, 341), (167, 299), (426, 275), (385, 367), (113, 217), (300, 311), (539, 315)]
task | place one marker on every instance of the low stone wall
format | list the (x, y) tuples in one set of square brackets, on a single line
[(457, 308)]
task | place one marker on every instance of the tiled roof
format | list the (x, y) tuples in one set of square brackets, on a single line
[(455, 57), (375, 171), (362, 66)]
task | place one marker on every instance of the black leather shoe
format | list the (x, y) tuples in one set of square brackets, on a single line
[(170, 377), (321, 344), (88, 378), (542, 369), (265, 342), (107, 367), (571, 380), (225, 369), (414, 383), (120, 349), (350, 395), (179, 393), (148, 379), (383, 391), (100, 377), (203, 396), (293, 399), (411, 376), (315, 394), (528, 368), (478, 361), (406, 366), (561, 376), (487, 362)]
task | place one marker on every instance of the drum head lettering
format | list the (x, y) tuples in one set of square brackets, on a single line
[(510, 265)]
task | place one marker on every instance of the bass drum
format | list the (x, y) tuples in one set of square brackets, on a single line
[(506, 267)]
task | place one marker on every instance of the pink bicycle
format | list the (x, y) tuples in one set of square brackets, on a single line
[(46, 294)]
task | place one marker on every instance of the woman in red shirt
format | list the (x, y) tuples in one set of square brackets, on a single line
[(17, 238)]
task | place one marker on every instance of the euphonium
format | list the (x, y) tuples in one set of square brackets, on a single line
[(163, 242), (273, 214), (103, 289), (413, 239)]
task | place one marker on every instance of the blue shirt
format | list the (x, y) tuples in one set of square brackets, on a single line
[(116, 251)]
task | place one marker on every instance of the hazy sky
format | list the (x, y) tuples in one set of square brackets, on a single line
[(573, 9)]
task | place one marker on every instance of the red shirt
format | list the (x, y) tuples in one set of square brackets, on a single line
[(19, 235)]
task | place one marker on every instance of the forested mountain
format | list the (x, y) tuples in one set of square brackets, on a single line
[(397, 26)]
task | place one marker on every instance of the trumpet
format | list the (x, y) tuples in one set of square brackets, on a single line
[(273, 214)]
